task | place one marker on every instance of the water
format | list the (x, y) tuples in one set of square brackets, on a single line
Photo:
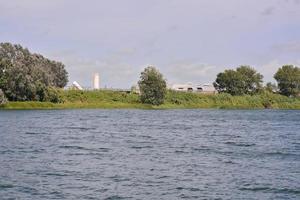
[(141, 154)]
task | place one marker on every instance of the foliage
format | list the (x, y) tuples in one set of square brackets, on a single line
[(24, 76), (288, 78), (243, 80), (3, 99), (271, 87), (152, 86), (53, 95), (173, 100)]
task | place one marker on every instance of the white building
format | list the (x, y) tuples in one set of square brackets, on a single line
[(206, 89), (189, 87), (76, 86), (96, 81)]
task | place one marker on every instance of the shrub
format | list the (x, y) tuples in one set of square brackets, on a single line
[(53, 95)]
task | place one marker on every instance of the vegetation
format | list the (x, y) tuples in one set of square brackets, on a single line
[(152, 86), (31, 81), (3, 99), (243, 80), (271, 87), (173, 100), (25, 76), (288, 78)]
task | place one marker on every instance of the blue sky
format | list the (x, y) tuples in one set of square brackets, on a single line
[(187, 40)]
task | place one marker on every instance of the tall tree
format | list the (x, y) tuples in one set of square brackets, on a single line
[(25, 76), (152, 86), (243, 80), (288, 79), (3, 99)]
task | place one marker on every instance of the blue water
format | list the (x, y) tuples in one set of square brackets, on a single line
[(141, 154)]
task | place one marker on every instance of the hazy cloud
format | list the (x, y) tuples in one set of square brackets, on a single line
[(289, 47), (117, 38), (188, 71), (268, 11)]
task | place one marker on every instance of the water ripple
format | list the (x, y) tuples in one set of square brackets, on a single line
[(150, 154)]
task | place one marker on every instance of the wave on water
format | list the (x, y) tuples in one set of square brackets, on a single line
[(35, 133), (115, 197), (6, 186), (240, 144), (74, 147), (271, 190)]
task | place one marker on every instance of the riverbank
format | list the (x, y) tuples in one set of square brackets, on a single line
[(105, 99)]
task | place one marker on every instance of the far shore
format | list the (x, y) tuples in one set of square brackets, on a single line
[(63, 106), (103, 99)]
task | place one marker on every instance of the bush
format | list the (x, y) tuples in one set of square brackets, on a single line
[(53, 95)]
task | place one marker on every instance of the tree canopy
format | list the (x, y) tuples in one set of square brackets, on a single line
[(288, 79), (27, 76), (243, 80), (152, 86)]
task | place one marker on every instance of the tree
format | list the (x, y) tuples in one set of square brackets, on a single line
[(3, 99), (152, 86), (243, 80), (288, 79), (26, 76), (271, 87)]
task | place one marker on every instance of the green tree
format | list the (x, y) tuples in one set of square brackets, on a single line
[(243, 80), (152, 86), (288, 79), (24, 75), (3, 99)]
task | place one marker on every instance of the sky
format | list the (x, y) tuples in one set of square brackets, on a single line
[(187, 40)]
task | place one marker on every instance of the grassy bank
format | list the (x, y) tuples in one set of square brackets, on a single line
[(174, 100)]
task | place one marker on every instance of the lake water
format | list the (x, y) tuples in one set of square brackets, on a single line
[(150, 154)]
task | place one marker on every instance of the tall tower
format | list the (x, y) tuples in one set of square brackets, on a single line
[(96, 81)]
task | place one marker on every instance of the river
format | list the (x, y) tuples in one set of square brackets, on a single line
[(150, 154)]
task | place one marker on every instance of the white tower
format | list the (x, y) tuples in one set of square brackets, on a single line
[(96, 81)]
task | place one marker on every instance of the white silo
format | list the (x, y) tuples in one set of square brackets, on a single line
[(96, 81)]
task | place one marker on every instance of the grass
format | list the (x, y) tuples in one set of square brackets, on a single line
[(174, 100)]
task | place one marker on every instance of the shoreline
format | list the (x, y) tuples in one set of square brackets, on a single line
[(100, 99), (76, 106)]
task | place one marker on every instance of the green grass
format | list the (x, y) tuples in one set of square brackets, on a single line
[(174, 100)]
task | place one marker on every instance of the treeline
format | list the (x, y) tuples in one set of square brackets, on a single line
[(26, 76), (246, 80)]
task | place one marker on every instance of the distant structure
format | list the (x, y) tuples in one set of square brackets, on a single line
[(76, 86), (200, 88), (188, 87), (135, 89), (96, 81), (206, 89)]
